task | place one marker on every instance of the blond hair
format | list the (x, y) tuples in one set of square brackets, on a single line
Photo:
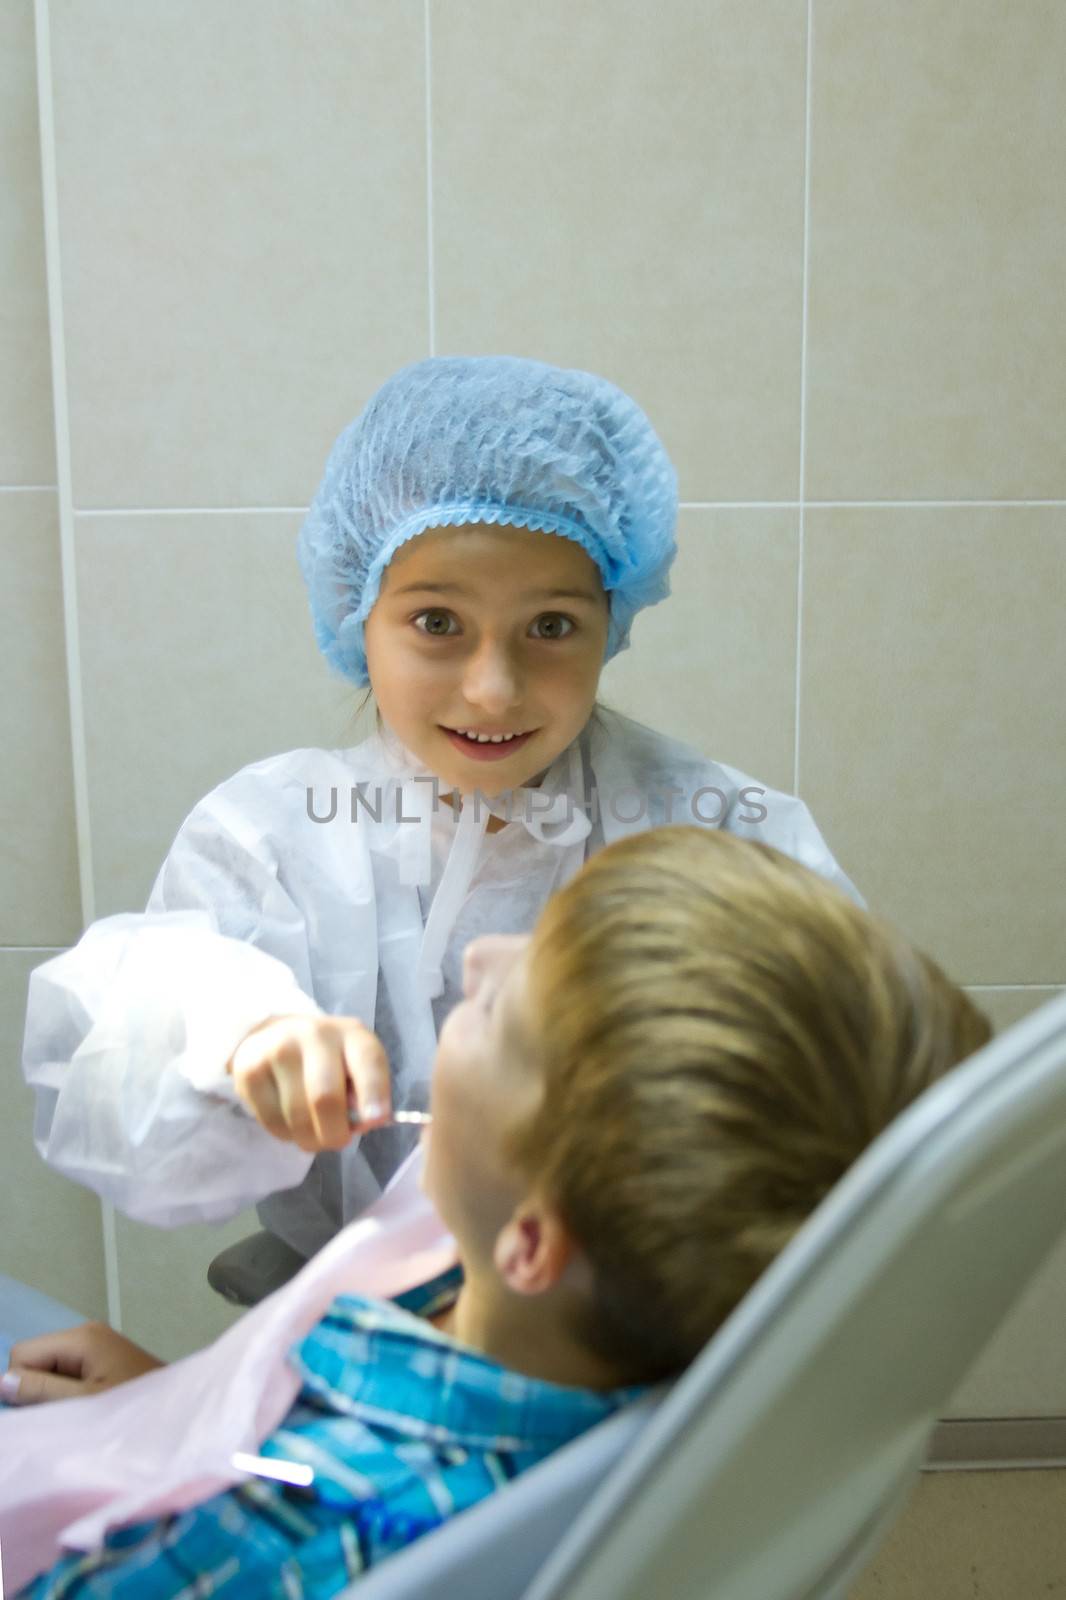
[(723, 1033)]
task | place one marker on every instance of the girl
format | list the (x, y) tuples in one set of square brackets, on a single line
[(484, 534)]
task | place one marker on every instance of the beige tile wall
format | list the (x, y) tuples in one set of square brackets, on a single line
[(853, 348), (50, 1230), (27, 454), (242, 191)]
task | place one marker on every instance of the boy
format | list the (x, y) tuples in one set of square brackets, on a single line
[(634, 1109)]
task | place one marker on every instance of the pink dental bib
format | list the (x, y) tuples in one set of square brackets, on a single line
[(71, 1470)]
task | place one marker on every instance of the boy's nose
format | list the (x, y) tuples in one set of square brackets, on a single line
[(490, 954)]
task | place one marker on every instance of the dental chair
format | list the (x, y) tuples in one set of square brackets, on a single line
[(776, 1463), (246, 1272)]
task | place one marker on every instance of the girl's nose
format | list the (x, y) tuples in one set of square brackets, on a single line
[(492, 680)]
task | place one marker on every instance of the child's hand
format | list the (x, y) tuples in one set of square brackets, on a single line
[(297, 1075), (77, 1362)]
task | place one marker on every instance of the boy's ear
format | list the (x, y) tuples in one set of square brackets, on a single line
[(534, 1249)]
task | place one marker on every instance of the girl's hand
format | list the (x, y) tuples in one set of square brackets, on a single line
[(77, 1362), (298, 1076)]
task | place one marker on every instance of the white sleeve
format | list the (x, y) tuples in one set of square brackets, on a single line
[(128, 1033), (787, 824)]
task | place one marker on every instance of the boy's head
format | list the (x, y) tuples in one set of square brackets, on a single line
[(637, 1107)]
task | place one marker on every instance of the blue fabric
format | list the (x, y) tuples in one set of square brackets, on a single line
[(403, 1429), (500, 439)]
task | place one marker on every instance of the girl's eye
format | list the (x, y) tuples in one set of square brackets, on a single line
[(435, 623), (553, 625)]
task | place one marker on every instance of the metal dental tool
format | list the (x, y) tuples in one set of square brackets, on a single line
[(422, 1118)]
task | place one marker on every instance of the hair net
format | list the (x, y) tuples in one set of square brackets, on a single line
[(501, 439)]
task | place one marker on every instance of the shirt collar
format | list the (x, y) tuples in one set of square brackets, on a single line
[(381, 1364)]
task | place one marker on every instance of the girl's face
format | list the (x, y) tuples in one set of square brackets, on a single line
[(483, 1081), (487, 630)]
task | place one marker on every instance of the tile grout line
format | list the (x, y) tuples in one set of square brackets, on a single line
[(970, 988), (1013, 988), (190, 511), (683, 505), (801, 532), (61, 412), (859, 505), (33, 949), (430, 268)]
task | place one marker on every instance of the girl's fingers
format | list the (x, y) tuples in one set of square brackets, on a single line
[(298, 1074), (33, 1387), (368, 1071), (63, 1352), (325, 1087), (259, 1091), (295, 1111), (254, 1065)]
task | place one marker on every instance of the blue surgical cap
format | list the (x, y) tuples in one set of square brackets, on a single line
[(459, 439)]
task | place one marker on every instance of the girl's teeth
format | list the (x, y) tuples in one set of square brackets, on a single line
[(487, 738)]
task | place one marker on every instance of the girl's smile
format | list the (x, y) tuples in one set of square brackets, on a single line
[(489, 750)]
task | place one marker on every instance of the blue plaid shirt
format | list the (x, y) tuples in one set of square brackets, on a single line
[(402, 1427)]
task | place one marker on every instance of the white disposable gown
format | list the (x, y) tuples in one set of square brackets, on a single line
[(265, 907)]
